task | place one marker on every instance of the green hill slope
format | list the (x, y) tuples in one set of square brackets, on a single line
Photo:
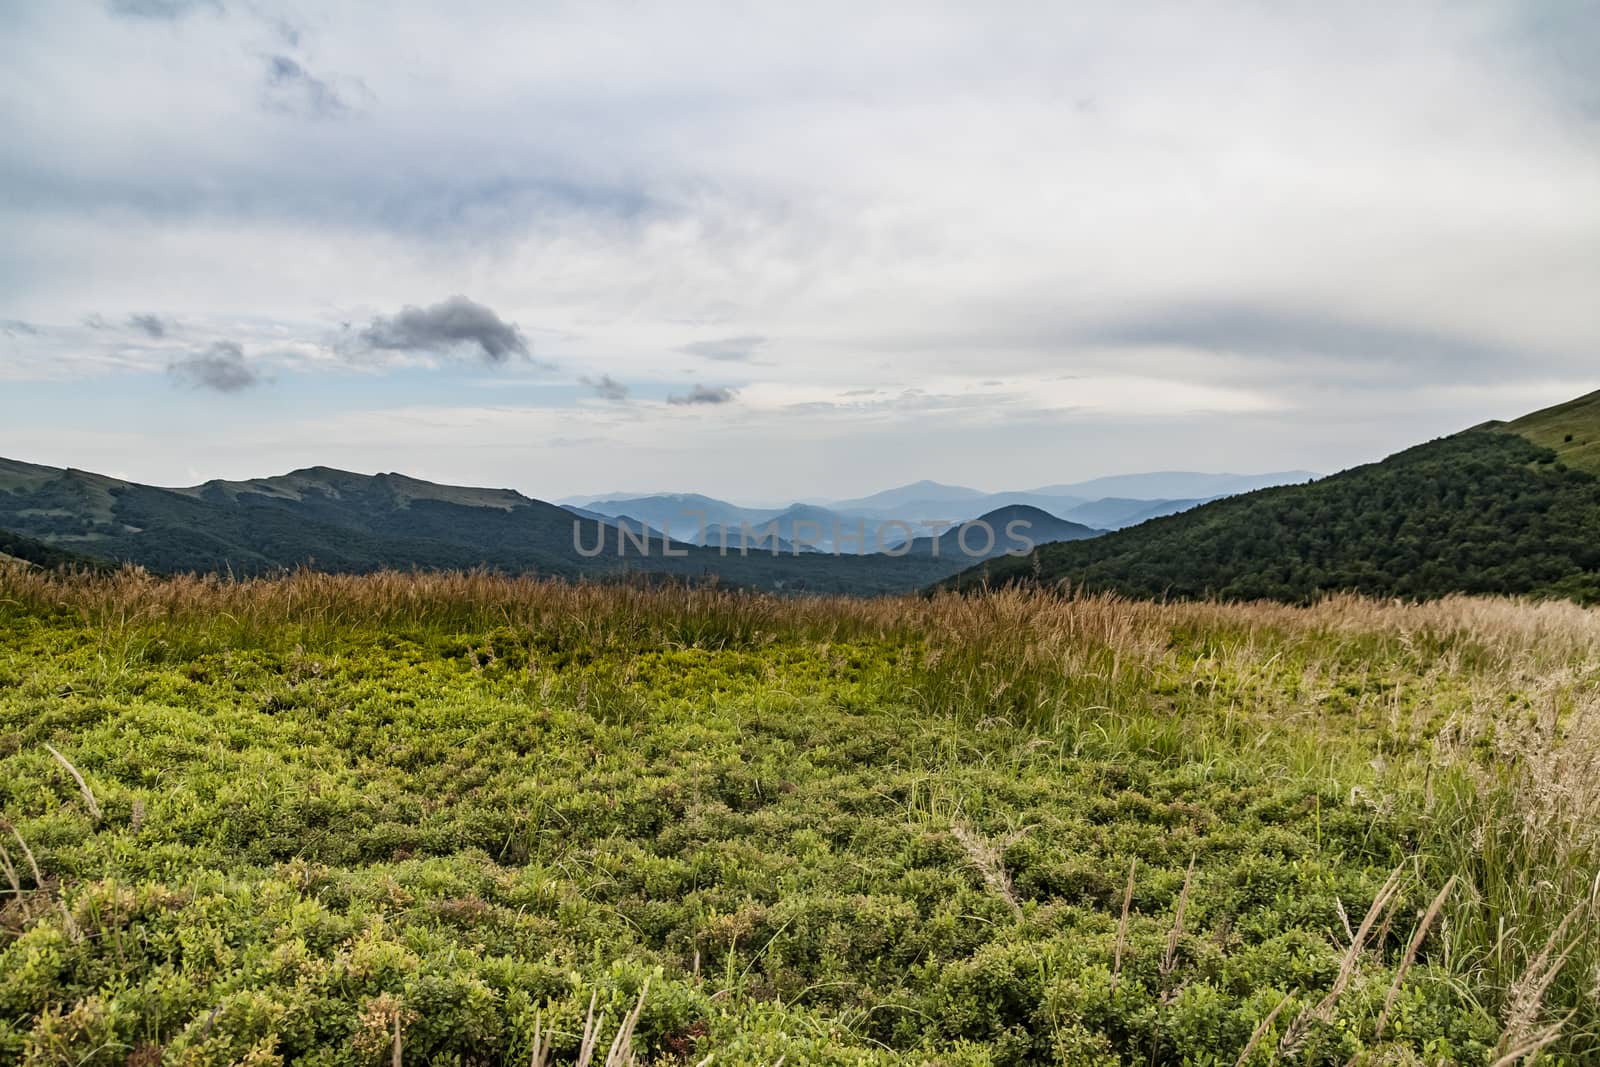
[(1571, 430), (1496, 509)]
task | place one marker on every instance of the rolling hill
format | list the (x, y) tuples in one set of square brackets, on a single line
[(1500, 508)]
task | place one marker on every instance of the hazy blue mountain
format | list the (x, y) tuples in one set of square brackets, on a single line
[(684, 512), (1114, 513), (1109, 513), (1103, 503), (1033, 526), (1174, 485), (1158, 509), (960, 510), (920, 493), (858, 531), (585, 513), (627, 522), (750, 539), (831, 530)]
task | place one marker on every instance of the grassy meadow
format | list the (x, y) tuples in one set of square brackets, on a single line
[(442, 818)]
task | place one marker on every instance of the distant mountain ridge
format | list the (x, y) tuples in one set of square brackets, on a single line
[(1175, 485), (902, 495), (1082, 503)]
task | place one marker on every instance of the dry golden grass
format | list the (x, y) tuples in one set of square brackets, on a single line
[(1051, 628)]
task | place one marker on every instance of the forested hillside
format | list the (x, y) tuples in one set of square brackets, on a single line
[(1485, 511)]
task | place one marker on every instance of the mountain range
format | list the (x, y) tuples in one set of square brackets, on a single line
[(340, 521), (1101, 504)]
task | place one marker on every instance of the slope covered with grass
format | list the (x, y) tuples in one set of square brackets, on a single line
[(1570, 430), (321, 819)]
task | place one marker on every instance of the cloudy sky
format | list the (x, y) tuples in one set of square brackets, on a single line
[(770, 251)]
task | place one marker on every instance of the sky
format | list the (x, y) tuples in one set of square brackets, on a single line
[(778, 251)]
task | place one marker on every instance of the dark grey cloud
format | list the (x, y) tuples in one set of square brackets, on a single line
[(160, 9), (705, 394), (152, 326), (221, 367), (727, 349), (16, 327), (445, 328), (1277, 334), (293, 89), (606, 387)]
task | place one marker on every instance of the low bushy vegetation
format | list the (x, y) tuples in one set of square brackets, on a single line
[(385, 819)]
